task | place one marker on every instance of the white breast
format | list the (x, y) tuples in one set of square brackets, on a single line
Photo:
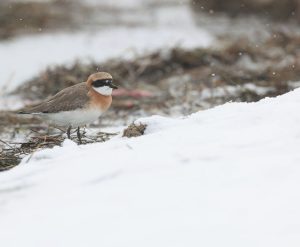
[(75, 118)]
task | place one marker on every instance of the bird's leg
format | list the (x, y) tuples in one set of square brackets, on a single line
[(84, 132), (79, 135), (48, 131), (69, 132)]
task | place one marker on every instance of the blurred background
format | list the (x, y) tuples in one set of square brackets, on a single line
[(169, 57)]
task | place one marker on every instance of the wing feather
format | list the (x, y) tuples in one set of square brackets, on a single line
[(70, 98)]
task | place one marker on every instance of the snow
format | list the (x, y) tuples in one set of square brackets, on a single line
[(228, 176), (224, 91), (27, 56)]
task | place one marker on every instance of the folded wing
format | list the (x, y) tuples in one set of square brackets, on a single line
[(69, 99)]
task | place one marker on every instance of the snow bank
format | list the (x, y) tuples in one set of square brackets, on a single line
[(228, 176)]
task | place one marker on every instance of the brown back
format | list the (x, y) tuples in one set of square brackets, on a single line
[(70, 98)]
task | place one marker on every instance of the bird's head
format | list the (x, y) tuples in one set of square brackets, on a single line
[(101, 82)]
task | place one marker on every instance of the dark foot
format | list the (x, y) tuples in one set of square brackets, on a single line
[(69, 132), (84, 132), (79, 135)]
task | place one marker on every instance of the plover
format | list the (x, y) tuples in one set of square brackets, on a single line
[(78, 105)]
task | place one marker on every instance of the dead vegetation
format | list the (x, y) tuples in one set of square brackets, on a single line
[(34, 17), (12, 153), (9, 156), (134, 130), (29, 17), (177, 77), (173, 82), (277, 10)]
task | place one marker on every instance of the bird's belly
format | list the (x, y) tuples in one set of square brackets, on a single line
[(73, 118)]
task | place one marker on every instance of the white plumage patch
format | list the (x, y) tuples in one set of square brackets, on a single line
[(75, 118), (105, 90)]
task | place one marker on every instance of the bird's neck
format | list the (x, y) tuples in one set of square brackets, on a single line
[(99, 100)]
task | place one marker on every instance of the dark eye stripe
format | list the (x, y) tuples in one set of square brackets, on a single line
[(101, 83)]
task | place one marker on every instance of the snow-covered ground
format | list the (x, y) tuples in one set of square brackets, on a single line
[(228, 176)]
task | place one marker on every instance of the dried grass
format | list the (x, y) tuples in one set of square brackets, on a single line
[(12, 153), (277, 10), (33, 17), (273, 62), (134, 130), (175, 80)]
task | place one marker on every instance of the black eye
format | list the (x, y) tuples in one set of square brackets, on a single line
[(101, 83)]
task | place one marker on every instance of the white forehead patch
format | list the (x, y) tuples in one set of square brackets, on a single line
[(105, 90)]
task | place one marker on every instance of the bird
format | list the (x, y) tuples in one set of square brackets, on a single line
[(77, 105)]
